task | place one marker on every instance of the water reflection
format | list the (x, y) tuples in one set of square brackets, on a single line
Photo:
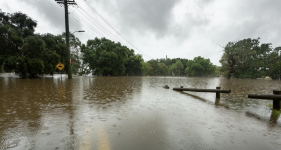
[(272, 121), (133, 113), (209, 101), (217, 102)]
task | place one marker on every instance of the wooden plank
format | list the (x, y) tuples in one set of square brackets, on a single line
[(202, 90), (267, 97)]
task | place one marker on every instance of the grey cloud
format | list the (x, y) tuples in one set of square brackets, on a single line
[(143, 15), (153, 17), (252, 20), (190, 24), (52, 13), (203, 3)]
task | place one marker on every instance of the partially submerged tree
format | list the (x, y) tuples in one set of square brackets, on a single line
[(13, 29), (176, 68), (199, 67), (106, 57), (248, 58), (24, 52)]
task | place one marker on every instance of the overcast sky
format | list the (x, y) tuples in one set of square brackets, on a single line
[(156, 28)]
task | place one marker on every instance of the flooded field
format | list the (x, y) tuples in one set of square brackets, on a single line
[(135, 113)]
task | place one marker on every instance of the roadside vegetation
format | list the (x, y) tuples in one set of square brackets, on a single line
[(30, 54), (248, 58)]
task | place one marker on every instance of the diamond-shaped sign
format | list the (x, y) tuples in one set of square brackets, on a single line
[(60, 66)]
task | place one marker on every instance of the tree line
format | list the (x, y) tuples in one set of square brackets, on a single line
[(31, 54), (198, 67), (248, 58)]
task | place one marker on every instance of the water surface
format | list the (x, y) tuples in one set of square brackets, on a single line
[(125, 113)]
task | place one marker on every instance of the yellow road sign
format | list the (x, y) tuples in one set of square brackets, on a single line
[(60, 66)]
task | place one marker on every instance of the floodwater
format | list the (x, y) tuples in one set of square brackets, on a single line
[(135, 113)]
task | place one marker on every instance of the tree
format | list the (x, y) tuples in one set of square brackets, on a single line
[(55, 52), (34, 59), (106, 57), (133, 64), (75, 52), (13, 29), (199, 67), (29, 62), (24, 24), (176, 68), (153, 67), (161, 69), (275, 63), (145, 68), (248, 58), (236, 55), (9, 43), (169, 62)]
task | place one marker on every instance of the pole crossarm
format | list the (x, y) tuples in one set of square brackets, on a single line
[(66, 1)]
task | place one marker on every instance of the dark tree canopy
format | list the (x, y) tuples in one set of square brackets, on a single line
[(24, 52), (248, 58), (30, 55), (106, 57), (199, 67)]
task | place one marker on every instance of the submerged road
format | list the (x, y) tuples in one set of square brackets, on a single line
[(94, 113)]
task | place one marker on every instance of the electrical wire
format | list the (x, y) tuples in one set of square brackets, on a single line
[(97, 23), (103, 30), (74, 17), (83, 20), (113, 28)]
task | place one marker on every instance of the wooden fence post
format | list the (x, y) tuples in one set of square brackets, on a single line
[(276, 103), (218, 93)]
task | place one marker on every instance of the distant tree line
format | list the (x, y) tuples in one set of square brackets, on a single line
[(248, 58), (30, 55), (198, 67)]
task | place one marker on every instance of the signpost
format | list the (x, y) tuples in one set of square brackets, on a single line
[(60, 66)]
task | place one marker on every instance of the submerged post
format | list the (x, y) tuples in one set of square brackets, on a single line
[(276, 98), (276, 103), (218, 93), (217, 90)]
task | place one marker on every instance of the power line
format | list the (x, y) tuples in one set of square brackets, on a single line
[(93, 23), (83, 20), (85, 26), (98, 24), (112, 27)]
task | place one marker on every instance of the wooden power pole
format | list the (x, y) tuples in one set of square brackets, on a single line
[(68, 62)]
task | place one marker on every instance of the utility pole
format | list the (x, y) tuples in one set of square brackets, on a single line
[(68, 62)]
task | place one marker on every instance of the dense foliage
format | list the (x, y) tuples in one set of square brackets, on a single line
[(176, 68), (248, 58), (165, 67), (31, 55), (24, 52), (199, 67), (108, 58)]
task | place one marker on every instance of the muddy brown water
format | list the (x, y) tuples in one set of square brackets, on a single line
[(135, 113)]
